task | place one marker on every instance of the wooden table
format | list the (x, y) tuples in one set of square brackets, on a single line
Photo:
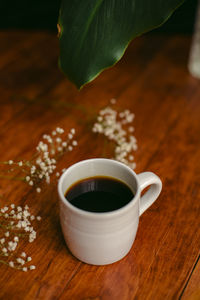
[(152, 81)]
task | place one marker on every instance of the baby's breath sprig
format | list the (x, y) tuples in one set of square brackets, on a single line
[(43, 162), (117, 127), (15, 224)]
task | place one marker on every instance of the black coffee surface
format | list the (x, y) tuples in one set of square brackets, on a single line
[(99, 194)]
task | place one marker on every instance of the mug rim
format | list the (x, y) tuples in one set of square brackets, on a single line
[(85, 213)]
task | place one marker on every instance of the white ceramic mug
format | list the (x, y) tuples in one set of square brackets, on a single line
[(104, 238)]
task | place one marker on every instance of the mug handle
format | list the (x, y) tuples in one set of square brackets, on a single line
[(145, 179)]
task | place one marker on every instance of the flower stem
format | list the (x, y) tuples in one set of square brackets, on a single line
[(12, 177), (4, 262)]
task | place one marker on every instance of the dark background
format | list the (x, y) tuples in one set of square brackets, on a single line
[(43, 14)]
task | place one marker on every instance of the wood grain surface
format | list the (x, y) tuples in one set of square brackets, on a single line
[(152, 81)]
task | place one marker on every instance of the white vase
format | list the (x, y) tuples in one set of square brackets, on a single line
[(194, 57)]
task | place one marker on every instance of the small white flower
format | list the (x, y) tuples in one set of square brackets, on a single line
[(74, 143), (50, 141), (57, 174), (12, 246), (19, 225), (100, 118), (109, 125), (31, 183), (38, 190), (26, 213), (73, 131), (38, 218), (47, 179), (29, 258), (64, 144), (20, 163), (11, 264), (27, 178), (33, 169), (12, 205), (131, 129), (24, 269), (32, 267), (58, 140), (20, 261), (31, 229), (23, 254), (38, 161), (7, 234), (19, 216), (16, 239), (10, 162), (23, 224), (4, 250), (32, 236), (59, 130), (112, 101)]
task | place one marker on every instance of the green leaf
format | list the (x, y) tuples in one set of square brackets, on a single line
[(95, 33)]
